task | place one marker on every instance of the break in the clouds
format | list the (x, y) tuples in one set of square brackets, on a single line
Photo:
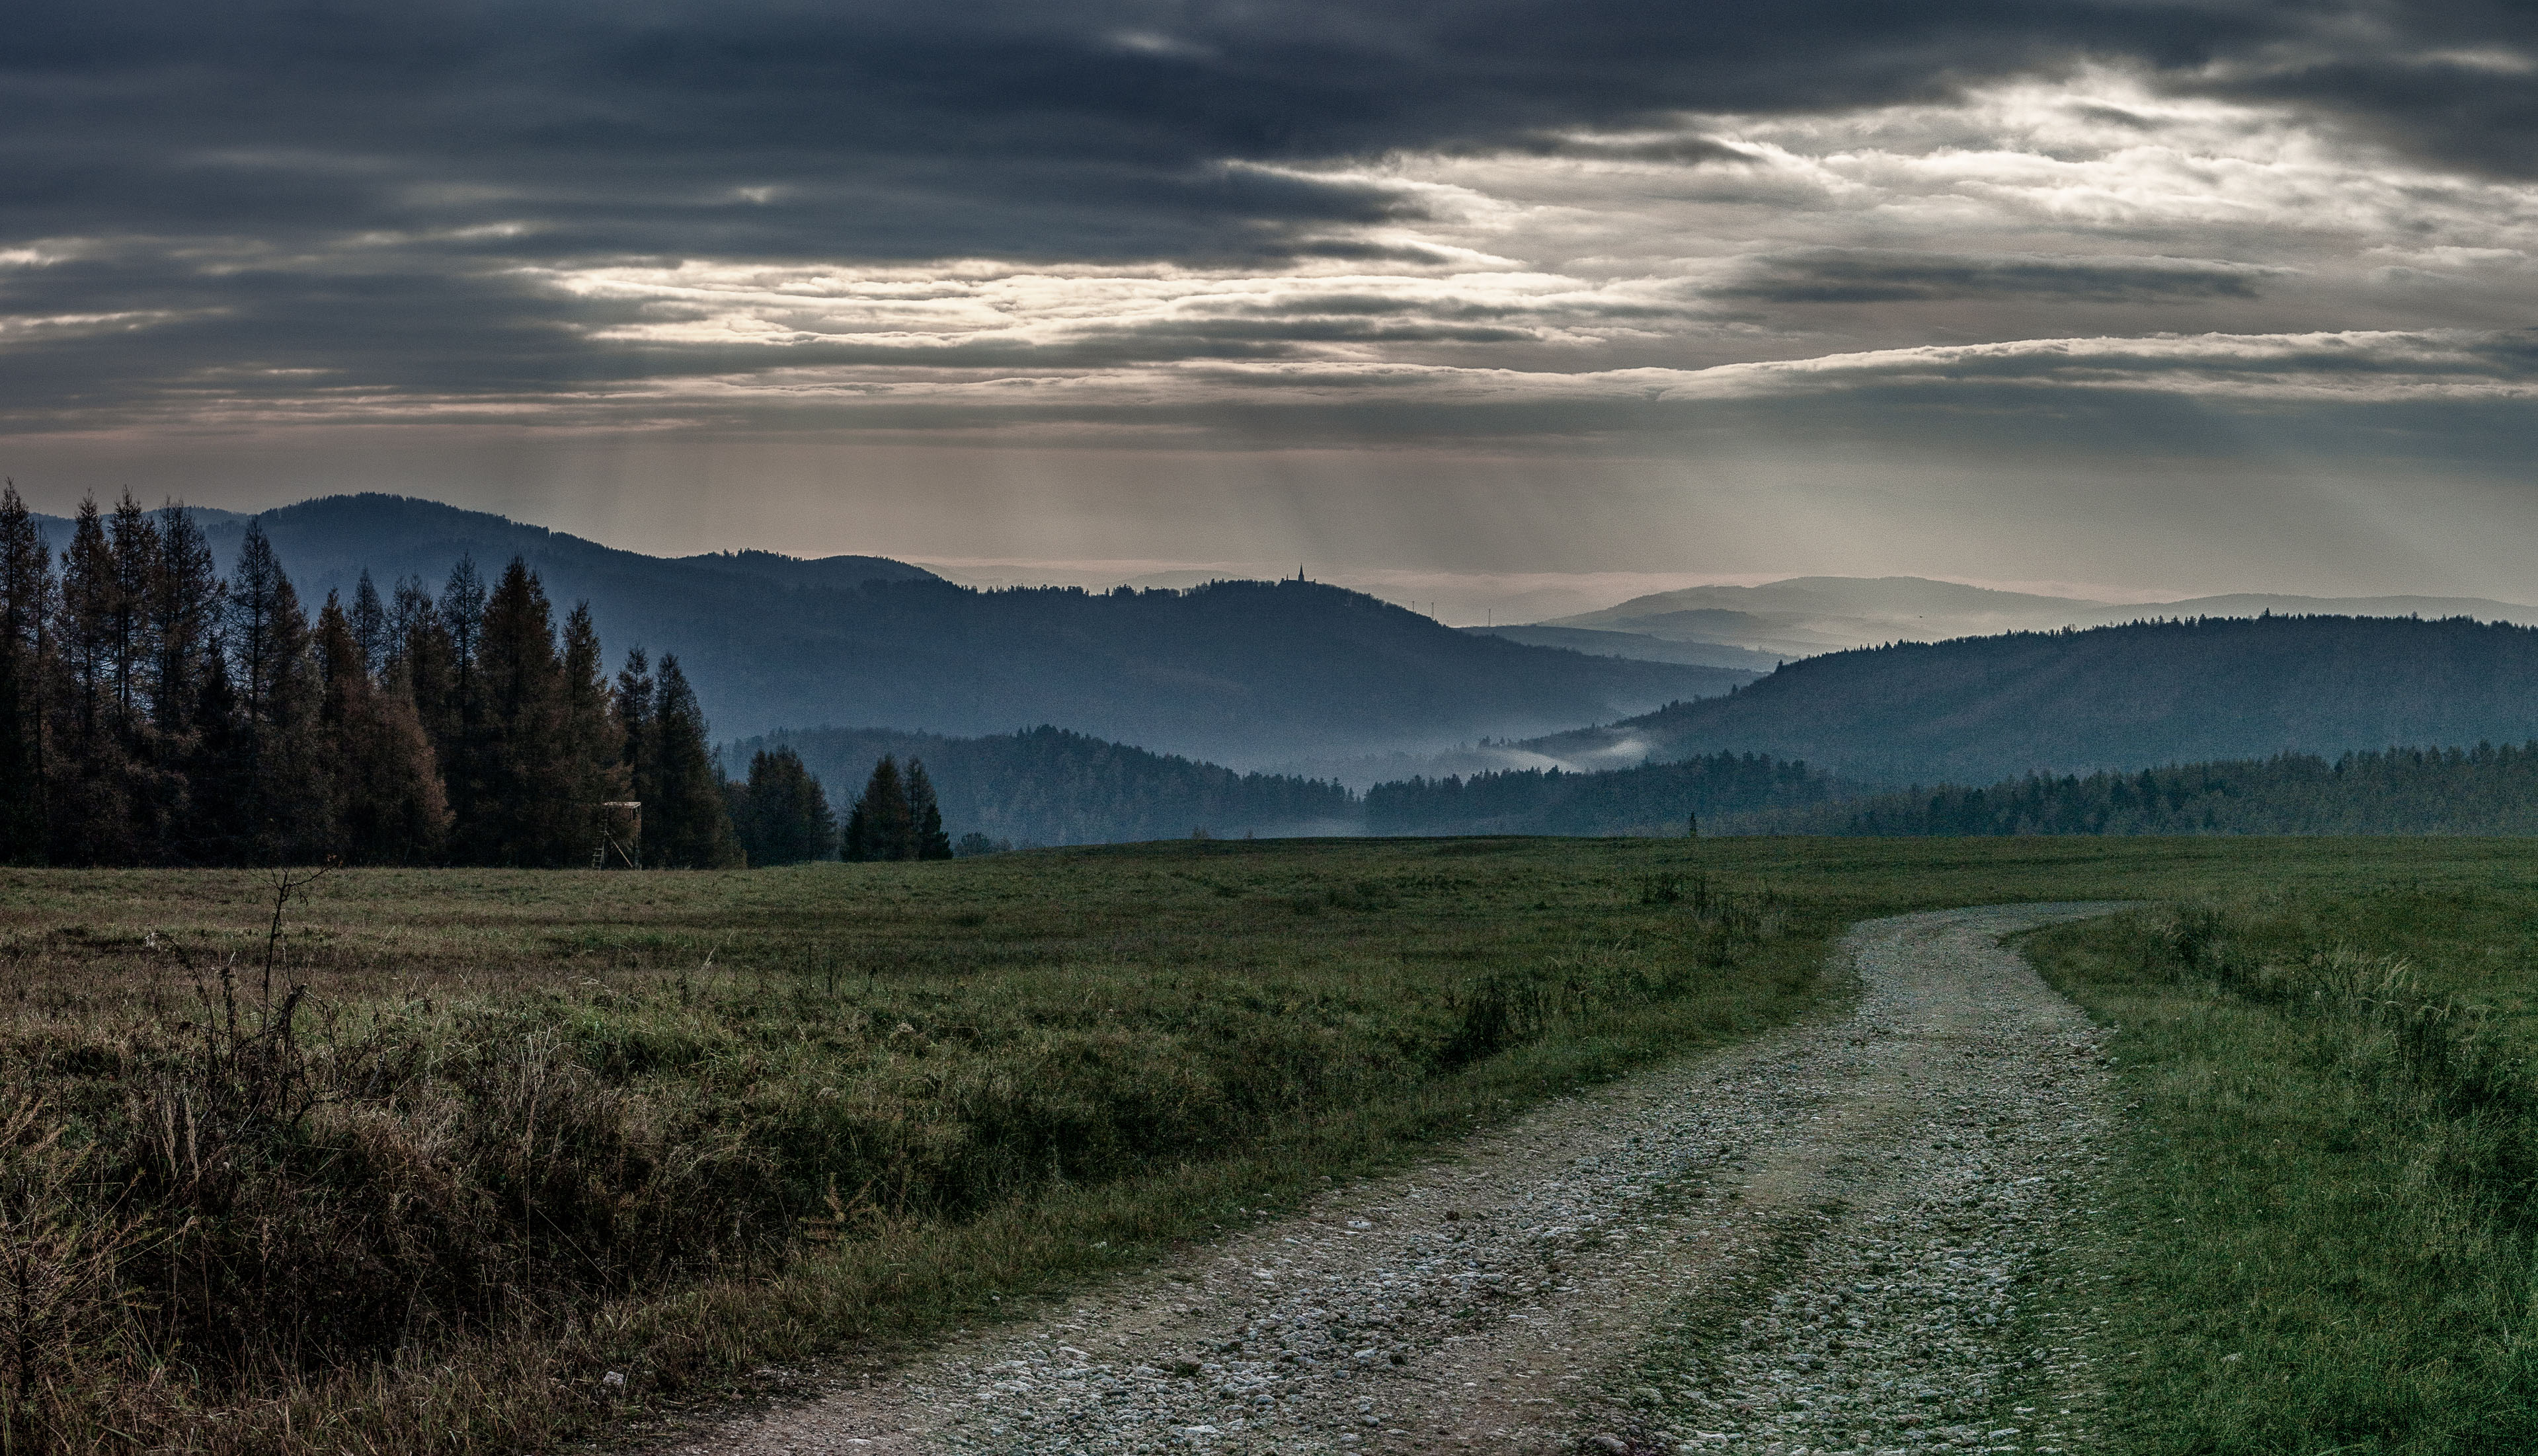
[(1983, 237)]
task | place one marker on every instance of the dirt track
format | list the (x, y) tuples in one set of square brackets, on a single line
[(1822, 1240)]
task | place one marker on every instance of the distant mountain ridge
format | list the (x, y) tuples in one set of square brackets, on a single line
[(1248, 673), (1979, 709), (1807, 615)]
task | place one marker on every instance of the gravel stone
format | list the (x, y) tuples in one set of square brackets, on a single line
[(1822, 1240)]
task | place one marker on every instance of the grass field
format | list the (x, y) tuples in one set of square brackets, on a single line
[(522, 1131)]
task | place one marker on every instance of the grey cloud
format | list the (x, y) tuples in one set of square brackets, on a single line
[(1688, 151), (1861, 276)]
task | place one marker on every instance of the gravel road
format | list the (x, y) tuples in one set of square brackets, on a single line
[(1822, 1240)]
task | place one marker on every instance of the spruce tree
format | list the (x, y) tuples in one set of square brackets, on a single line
[(218, 766), (183, 601), (422, 667), (527, 808), (184, 620), (686, 822), (929, 840), (632, 704), (134, 537), (593, 746), (458, 724), (783, 815), (283, 780), (881, 825), (369, 625)]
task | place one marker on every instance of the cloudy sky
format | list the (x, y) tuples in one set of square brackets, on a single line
[(2127, 298)]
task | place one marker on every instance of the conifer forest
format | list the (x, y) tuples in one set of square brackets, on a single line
[(154, 713)]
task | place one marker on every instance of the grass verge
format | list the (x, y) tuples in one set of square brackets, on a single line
[(2320, 1233)]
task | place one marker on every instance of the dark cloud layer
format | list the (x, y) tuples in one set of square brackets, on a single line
[(1856, 276), (296, 197)]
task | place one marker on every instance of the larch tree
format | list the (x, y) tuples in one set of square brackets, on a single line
[(91, 798), (387, 806), (458, 725), (27, 590)]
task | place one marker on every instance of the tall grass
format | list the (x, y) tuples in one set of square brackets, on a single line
[(2323, 1235), (245, 1217)]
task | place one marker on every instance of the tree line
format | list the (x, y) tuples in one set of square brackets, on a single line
[(154, 711), (2482, 790), (783, 814), (1048, 785), (1651, 799)]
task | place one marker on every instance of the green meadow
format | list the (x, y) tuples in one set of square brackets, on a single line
[(415, 1161)]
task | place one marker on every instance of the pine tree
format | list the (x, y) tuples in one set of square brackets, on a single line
[(27, 592), (686, 822), (928, 840), (881, 825)]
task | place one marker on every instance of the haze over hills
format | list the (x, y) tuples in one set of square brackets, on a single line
[(1600, 643), (1805, 615), (1247, 672), (1974, 710)]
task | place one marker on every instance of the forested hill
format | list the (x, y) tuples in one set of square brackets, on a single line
[(1046, 786), (2483, 790), (1979, 709), (1253, 673)]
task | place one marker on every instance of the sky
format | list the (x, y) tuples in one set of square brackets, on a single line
[(2118, 298)]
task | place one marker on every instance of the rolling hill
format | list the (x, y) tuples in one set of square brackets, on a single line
[(1979, 710)]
